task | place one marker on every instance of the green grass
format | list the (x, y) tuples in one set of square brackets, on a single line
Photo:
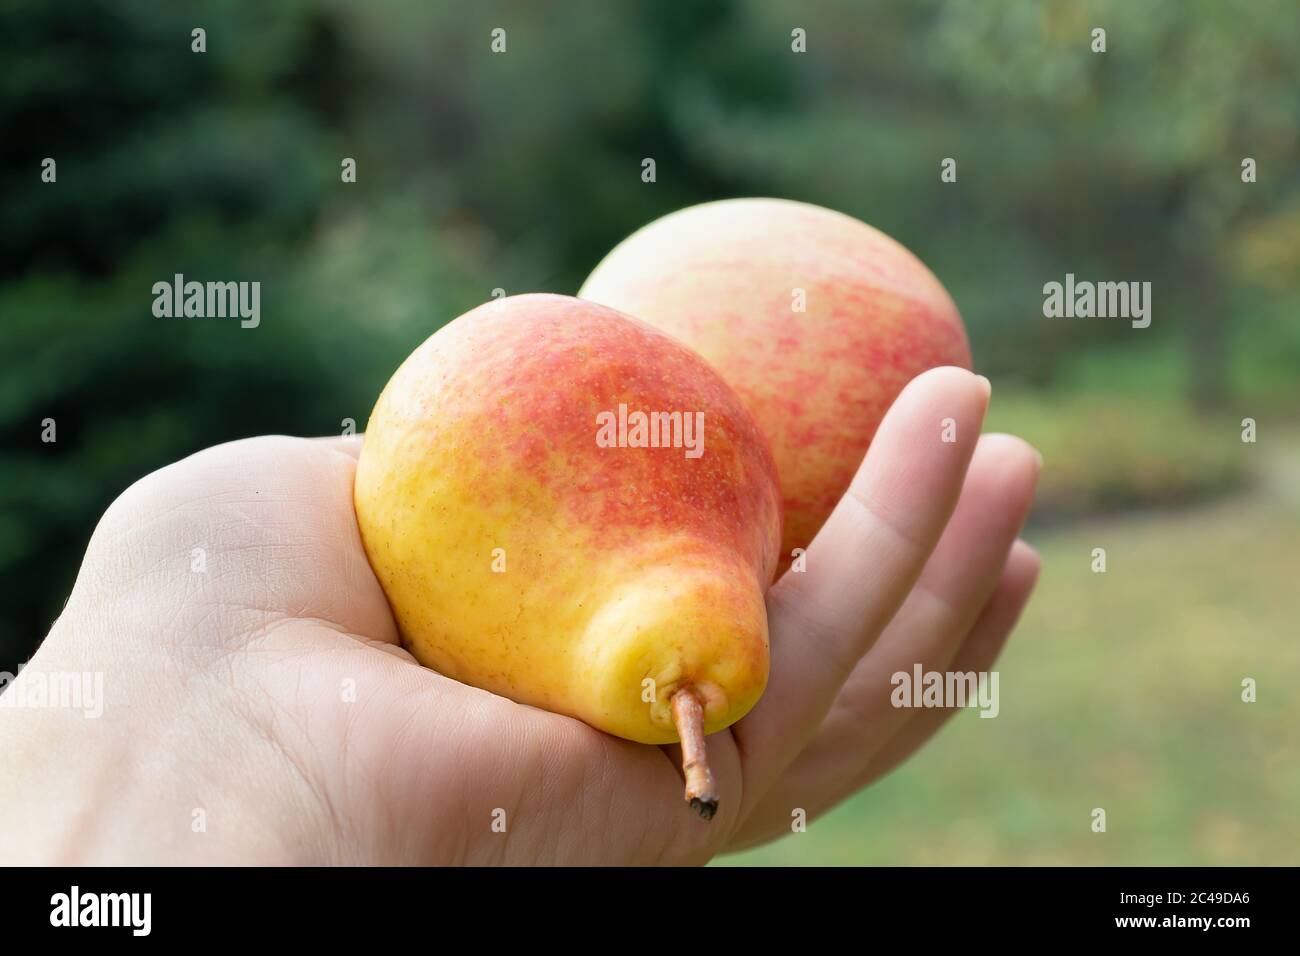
[(1122, 691)]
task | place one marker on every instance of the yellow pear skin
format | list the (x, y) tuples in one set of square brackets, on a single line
[(533, 543)]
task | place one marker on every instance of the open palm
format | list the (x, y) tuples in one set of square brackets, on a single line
[(255, 680)]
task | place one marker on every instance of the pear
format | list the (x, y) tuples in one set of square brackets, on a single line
[(816, 319), (570, 509)]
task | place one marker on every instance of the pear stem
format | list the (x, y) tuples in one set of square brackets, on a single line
[(688, 715)]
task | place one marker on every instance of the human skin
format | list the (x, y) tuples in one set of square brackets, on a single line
[(271, 694)]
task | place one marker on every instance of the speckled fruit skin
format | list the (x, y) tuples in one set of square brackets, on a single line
[(721, 277), (620, 564)]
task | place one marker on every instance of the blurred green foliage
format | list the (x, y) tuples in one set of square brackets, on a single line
[(1107, 451), (518, 171)]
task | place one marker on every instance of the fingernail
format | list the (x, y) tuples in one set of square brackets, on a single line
[(988, 386)]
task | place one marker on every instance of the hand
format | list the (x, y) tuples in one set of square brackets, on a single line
[(258, 707)]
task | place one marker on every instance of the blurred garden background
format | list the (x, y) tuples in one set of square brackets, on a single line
[(479, 171)]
